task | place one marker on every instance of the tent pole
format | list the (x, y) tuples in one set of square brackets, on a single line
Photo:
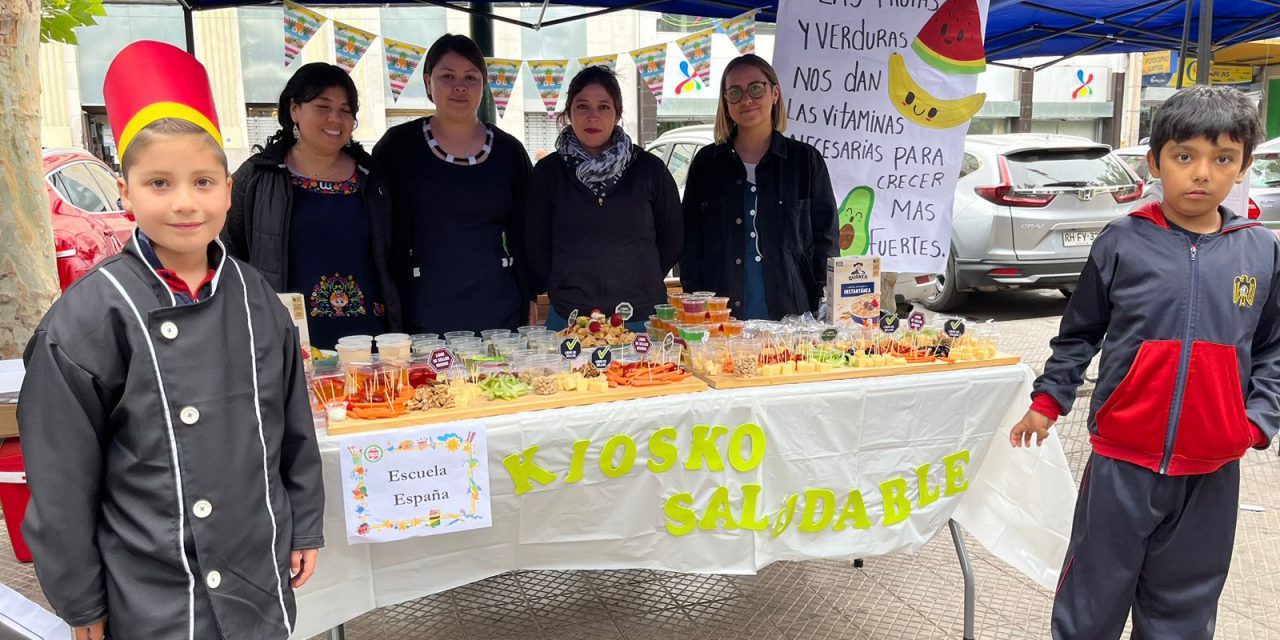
[(189, 29), (1204, 51), (482, 33), (537, 26), (1182, 48)]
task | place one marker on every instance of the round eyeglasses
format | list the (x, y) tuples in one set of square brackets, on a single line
[(755, 90)]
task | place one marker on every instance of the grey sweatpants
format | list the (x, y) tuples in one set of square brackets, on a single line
[(1159, 545)]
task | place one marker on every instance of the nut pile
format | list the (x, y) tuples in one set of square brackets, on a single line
[(745, 367)]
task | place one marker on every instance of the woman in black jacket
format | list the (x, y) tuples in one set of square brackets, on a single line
[(603, 223), (312, 213), (759, 212)]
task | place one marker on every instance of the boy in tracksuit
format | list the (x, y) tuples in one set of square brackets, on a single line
[(1183, 298), (176, 488)]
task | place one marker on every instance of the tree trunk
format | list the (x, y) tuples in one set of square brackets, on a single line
[(28, 275)]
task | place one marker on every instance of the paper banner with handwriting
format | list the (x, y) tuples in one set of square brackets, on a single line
[(886, 95), (415, 482), (697, 49), (610, 61), (300, 23), (742, 32), (402, 60), (548, 76), (651, 62), (502, 80), (350, 44)]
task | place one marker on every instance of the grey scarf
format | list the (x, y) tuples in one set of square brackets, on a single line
[(599, 174)]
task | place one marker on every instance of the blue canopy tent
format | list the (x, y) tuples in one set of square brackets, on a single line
[(1015, 28)]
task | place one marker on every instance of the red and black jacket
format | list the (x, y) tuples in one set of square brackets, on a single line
[(1190, 337)]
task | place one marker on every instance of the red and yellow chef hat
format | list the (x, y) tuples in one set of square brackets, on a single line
[(149, 81)]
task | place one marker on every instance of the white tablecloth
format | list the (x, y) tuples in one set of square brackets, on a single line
[(842, 436)]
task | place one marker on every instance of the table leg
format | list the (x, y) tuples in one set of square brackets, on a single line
[(967, 569), (338, 633)]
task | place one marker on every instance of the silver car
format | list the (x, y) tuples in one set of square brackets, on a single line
[(1264, 183), (1027, 208)]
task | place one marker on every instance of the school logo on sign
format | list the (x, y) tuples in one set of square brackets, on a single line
[(1246, 288)]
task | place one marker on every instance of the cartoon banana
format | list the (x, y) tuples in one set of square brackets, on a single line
[(922, 107)]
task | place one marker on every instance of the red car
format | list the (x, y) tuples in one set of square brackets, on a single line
[(89, 223)]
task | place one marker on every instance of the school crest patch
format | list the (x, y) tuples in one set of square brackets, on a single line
[(1246, 288)]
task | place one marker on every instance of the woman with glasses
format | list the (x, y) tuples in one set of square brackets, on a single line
[(759, 213), (457, 191), (311, 212), (604, 216)]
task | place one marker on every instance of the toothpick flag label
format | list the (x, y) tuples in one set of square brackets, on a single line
[(350, 44), (548, 76), (402, 60), (502, 80), (697, 48), (610, 61), (742, 32), (300, 24), (651, 63)]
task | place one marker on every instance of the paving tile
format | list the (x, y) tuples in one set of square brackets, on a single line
[(495, 590), (692, 588), (665, 624), (634, 599), (504, 620), (544, 584), (601, 630), (568, 608)]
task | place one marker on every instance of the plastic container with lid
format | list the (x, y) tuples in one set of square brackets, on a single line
[(505, 344), (530, 328), (351, 353), (717, 303), (424, 336), (393, 346), (357, 339), (665, 311), (694, 305), (451, 335)]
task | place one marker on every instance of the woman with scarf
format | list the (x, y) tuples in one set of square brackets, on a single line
[(603, 223)]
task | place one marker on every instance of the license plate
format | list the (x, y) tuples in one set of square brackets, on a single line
[(1078, 238)]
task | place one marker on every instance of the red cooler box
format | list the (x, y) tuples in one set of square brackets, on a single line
[(14, 495)]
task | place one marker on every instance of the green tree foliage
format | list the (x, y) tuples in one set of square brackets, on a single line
[(60, 18)]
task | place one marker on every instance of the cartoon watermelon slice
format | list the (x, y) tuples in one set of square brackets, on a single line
[(951, 41)]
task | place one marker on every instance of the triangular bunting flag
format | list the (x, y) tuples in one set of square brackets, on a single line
[(503, 73), (742, 32), (402, 60), (548, 76), (300, 24), (651, 62), (350, 44), (697, 48), (610, 61)]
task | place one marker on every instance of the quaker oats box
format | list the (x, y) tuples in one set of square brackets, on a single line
[(853, 290), (297, 307)]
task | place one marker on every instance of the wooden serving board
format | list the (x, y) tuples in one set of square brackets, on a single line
[(485, 408), (731, 382)]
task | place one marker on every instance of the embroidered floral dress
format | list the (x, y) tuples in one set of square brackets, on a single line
[(331, 262)]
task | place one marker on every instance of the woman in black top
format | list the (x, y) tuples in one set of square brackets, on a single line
[(311, 211), (759, 212), (603, 224), (458, 187)]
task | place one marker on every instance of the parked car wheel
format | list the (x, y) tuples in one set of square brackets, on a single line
[(945, 296)]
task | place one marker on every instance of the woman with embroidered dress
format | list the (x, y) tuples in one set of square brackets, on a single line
[(603, 224), (458, 190), (311, 211)]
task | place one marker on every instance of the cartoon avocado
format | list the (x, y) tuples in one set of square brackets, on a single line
[(855, 221)]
